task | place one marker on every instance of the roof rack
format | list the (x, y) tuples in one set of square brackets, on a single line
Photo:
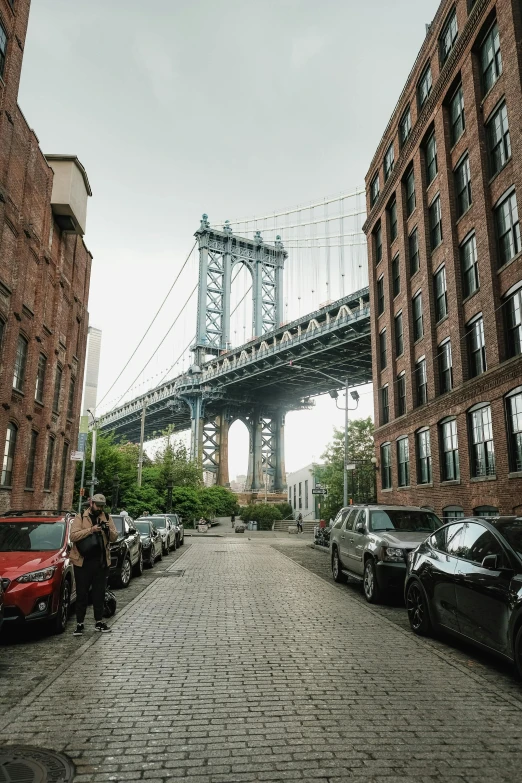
[(39, 512)]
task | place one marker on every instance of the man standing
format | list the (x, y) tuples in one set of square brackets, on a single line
[(91, 534), (300, 523)]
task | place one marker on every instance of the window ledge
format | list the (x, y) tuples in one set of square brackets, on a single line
[(508, 263), (40, 403), (18, 392), (495, 175), (470, 296), (444, 318), (434, 249), (429, 485), (476, 479), (486, 96), (388, 489), (457, 140), (515, 474), (415, 273), (47, 491), (29, 489), (450, 483), (6, 487), (406, 487), (464, 214)]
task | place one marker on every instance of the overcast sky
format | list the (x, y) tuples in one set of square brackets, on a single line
[(230, 107)]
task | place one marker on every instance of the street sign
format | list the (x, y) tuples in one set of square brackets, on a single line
[(82, 441), (77, 456), (351, 466), (84, 424), (319, 491)]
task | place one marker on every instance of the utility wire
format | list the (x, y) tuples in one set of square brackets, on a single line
[(149, 327)]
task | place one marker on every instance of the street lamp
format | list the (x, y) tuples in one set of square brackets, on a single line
[(93, 451), (355, 396)]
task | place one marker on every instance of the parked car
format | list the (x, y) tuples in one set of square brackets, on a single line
[(126, 552), (467, 579), (2, 601), (37, 575), (166, 526), (371, 544), (151, 541), (180, 530)]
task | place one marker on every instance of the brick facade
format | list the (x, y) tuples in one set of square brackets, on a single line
[(483, 480), (44, 286)]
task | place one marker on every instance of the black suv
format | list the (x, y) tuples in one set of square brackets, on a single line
[(126, 552)]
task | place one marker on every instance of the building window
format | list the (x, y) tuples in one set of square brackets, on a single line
[(386, 477), (40, 378), (463, 187), (490, 58), (396, 276), (413, 247), (450, 467), (385, 406), (300, 495), (374, 190), (377, 238), (424, 457), (485, 511), (431, 158), (306, 493), (508, 228), (410, 192), (3, 47), (445, 367), (435, 224), (452, 512), (2, 330), (499, 140), (392, 209), (380, 295), (403, 462), (399, 335), (424, 86), (469, 266), (482, 446), (295, 505), (421, 382), (514, 419), (389, 160), (20, 363), (9, 452), (441, 294), (448, 36), (382, 349), (29, 476), (57, 388), (405, 127), (476, 347), (458, 120), (49, 463), (513, 310), (70, 403), (401, 394), (418, 319)]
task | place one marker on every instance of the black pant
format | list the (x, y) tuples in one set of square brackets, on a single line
[(92, 574)]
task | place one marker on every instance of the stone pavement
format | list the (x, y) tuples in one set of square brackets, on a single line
[(249, 667)]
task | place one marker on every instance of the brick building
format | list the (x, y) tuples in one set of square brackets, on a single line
[(44, 284), (445, 269)]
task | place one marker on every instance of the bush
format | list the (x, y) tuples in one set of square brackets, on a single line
[(265, 514), (286, 510)]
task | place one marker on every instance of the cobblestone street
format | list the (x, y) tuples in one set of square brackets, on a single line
[(244, 662)]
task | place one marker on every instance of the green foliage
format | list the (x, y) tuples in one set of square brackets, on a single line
[(174, 463), (111, 459), (142, 501), (360, 451), (186, 502), (286, 510), (264, 514), (218, 501)]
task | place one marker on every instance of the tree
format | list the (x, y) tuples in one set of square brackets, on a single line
[(265, 514), (286, 510), (111, 459), (186, 503), (361, 481), (175, 465), (143, 500), (218, 501)]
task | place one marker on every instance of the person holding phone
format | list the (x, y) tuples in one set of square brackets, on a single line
[(91, 535)]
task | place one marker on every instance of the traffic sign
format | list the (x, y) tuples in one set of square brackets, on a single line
[(351, 466), (319, 491), (82, 441), (77, 456)]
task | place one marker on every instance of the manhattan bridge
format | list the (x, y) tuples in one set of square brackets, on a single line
[(280, 310)]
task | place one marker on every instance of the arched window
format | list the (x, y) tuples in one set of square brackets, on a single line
[(9, 452), (452, 512), (514, 424), (485, 511), (449, 447), (482, 457)]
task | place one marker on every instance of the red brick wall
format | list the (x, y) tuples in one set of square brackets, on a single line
[(44, 286), (505, 491)]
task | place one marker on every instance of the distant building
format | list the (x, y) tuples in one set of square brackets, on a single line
[(92, 369), (238, 484), (45, 271), (300, 486)]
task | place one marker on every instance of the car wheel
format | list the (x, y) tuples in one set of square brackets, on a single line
[(60, 621), (125, 573), (138, 568), (182, 540), (175, 544), (337, 566), (518, 652), (417, 609), (372, 591), (164, 549)]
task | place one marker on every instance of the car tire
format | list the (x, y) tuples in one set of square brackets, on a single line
[(138, 568), (59, 623), (125, 574), (164, 549), (372, 591), (182, 540), (337, 567), (518, 652), (175, 544), (417, 608)]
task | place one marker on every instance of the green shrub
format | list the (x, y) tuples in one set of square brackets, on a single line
[(286, 510), (264, 514)]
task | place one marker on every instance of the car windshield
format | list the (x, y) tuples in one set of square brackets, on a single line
[(31, 536), (512, 531), (142, 527), (404, 520), (159, 523), (118, 524)]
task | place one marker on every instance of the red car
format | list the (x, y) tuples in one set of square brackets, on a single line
[(37, 575)]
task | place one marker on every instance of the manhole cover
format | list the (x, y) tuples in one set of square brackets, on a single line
[(168, 573), (20, 764)]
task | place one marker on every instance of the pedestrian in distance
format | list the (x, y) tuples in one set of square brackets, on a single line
[(299, 524), (91, 535), (232, 520)]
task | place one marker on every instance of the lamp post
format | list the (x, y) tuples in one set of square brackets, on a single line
[(93, 452), (355, 396)]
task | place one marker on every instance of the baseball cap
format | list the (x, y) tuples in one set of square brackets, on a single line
[(99, 499)]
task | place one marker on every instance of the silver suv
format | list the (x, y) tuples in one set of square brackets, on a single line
[(371, 545)]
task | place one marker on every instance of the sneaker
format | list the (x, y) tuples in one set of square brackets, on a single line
[(80, 628), (103, 627)]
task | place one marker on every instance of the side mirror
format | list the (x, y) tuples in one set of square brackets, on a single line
[(360, 527), (491, 562)]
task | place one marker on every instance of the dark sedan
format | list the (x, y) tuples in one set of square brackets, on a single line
[(150, 540), (126, 552), (466, 578)]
